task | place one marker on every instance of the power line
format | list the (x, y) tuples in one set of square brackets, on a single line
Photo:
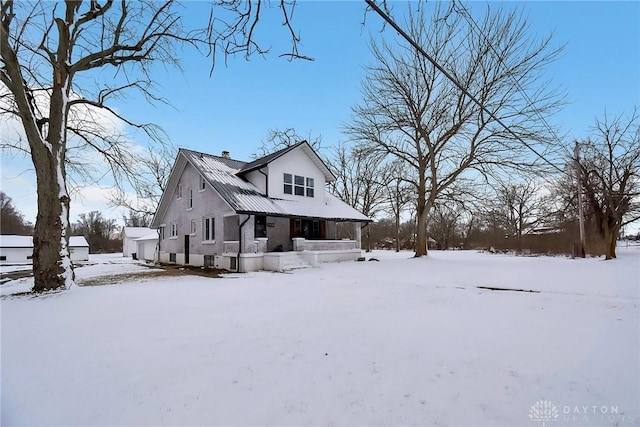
[(419, 48), (467, 16)]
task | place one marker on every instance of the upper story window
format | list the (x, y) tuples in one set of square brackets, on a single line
[(288, 181), (179, 191), (298, 188), (190, 201), (203, 184), (298, 185), (309, 188), (174, 230)]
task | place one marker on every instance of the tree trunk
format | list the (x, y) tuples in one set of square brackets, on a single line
[(421, 237), (398, 232), (52, 267), (611, 239), (422, 210), (368, 239)]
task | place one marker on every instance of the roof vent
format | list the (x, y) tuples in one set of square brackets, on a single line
[(225, 154)]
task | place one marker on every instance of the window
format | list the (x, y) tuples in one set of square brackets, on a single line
[(3, 257), (174, 230), (172, 257), (308, 228), (209, 229), (288, 180), (299, 186), (179, 191), (190, 202), (193, 227), (203, 184), (309, 187), (162, 227), (260, 228)]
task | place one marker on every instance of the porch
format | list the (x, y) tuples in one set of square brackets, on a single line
[(305, 253)]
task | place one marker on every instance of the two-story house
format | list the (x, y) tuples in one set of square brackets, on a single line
[(273, 213)]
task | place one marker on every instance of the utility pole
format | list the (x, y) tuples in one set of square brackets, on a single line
[(581, 250)]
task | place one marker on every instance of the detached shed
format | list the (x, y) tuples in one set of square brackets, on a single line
[(19, 249), (147, 247), (78, 248), (129, 236)]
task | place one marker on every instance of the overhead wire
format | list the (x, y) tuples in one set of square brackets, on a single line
[(474, 25), (419, 48)]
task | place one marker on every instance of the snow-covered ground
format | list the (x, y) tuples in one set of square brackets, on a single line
[(401, 341)]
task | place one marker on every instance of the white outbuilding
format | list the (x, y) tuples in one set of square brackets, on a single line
[(147, 247), (19, 249), (129, 236)]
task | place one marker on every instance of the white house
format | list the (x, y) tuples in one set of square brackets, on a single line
[(129, 236), (273, 213), (19, 249)]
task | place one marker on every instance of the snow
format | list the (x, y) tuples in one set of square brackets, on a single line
[(401, 341), (136, 232), (13, 241)]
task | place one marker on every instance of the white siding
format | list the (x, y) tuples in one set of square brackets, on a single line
[(295, 162)]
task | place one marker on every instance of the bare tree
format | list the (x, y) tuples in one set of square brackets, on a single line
[(62, 65), (518, 207), (412, 112), (11, 219), (360, 181), (96, 229), (278, 139), (153, 169), (399, 193), (610, 172), (444, 223)]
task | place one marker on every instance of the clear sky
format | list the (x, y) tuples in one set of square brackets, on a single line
[(235, 108)]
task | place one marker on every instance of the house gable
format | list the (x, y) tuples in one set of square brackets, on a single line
[(295, 176), (177, 186)]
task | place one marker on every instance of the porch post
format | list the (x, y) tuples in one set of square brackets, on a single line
[(357, 235), (247, 240)]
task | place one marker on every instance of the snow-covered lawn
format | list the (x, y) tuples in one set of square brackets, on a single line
[(401, 341)]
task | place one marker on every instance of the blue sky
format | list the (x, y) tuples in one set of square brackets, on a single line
[(235, 108)]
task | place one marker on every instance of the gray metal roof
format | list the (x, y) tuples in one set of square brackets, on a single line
[(224, 175)]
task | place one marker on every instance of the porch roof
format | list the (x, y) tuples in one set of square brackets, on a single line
[(332, 209)]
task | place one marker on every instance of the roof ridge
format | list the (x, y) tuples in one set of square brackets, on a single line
[(211, 155), (259, 162)]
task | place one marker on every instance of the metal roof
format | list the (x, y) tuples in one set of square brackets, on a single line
[(225, 176)]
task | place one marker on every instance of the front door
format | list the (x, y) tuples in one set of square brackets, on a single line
[(186, 249)]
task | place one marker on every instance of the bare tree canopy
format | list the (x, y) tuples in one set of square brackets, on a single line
[(278, 139), (610, 172), (63, 63), (411, 112)]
